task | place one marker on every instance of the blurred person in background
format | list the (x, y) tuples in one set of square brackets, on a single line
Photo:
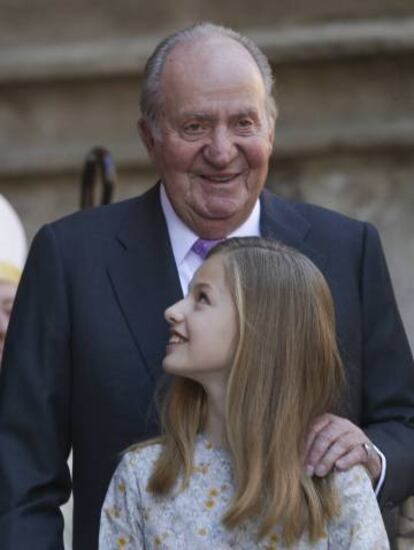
[(12, 258)]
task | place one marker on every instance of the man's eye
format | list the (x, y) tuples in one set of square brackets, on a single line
[(245, 123), (193, 128)]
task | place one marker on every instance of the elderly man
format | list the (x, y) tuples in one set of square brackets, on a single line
[(87, 338)]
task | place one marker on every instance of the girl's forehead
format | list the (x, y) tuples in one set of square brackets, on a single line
[(212, 273)]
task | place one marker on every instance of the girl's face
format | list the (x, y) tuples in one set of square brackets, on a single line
[(203, 326)]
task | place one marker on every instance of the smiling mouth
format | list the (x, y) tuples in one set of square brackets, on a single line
[(218, 178), (176, 338)]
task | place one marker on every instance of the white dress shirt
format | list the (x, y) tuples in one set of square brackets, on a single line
[(182, 238)]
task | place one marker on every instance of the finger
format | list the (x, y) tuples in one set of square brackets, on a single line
[(339, 448), (320, 424), (337, 429), (357, 455)]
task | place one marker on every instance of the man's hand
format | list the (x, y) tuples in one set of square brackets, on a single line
[(336, 442)]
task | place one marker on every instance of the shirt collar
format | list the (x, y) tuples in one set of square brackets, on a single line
[(182, 237)]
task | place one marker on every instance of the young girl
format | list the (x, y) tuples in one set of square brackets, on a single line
[(253, 353)]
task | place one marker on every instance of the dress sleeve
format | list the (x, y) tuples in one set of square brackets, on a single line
[(122, 514), (359, 525)]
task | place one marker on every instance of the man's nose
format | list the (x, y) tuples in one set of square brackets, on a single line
[(221, 149)]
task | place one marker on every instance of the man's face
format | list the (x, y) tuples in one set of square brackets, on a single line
[(7, 294), (215, 137)]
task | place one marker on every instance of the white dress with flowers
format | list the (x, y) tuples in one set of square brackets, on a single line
[(133, 518)]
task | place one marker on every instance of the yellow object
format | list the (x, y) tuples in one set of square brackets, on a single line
[(13, 244), (9, 273)]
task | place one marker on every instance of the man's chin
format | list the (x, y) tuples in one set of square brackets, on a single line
[(218, 221), (222, 207)]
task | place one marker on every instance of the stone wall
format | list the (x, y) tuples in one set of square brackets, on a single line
[(345, 87), (48, 22), (70, 74)]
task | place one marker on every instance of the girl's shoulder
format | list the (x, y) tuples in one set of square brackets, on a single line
[(148, 449), (354, 489), (359, 523), (138, 461), (353, 481)]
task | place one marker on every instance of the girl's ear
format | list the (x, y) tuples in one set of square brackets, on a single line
[(145, 133)]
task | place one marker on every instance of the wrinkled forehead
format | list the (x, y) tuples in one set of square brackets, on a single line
[(209, 63)]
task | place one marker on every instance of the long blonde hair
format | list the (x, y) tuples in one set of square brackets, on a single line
[(285, 373)]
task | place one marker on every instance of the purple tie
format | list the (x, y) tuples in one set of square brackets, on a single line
[(202, 246)]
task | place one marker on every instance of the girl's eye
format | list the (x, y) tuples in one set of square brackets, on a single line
[(203, 298)]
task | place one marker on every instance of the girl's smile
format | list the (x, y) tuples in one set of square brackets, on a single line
[(203, 326)]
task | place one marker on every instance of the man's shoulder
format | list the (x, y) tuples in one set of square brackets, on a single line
[(311, 212), (108, 215), (93, 233), (322, 226)]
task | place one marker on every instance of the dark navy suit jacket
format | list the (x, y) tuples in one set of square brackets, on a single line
[(87, 337)]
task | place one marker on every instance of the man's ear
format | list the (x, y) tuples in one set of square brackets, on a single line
[(272, 137), (145, 133), (271, 134), (272, 128)]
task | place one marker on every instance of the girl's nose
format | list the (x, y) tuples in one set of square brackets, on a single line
[(174, 314)]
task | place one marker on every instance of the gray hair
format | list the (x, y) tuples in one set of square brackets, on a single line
[(150, 101)]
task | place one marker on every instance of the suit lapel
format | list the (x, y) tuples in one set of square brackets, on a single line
[(280, 221), (145, 278)]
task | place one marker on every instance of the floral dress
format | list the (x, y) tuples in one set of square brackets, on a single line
[(133, 518)]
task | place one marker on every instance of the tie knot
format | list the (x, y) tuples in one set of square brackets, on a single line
[(202, 246)]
